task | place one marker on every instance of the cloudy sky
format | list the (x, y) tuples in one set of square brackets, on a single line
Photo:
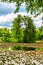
[(7, 15)]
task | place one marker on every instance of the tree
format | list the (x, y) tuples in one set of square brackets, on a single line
[(39, 33), (1, 31), (16, 28), (6, 35), (31, 5), (29, 32), (26, 34)]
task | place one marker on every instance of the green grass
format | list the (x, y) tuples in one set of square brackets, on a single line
[(25, 48)]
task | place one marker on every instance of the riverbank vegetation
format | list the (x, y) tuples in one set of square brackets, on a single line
[(23, 30)]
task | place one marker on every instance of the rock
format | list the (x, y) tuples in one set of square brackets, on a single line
[(11, 57)]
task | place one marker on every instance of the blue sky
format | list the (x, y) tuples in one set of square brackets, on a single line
[(7, 15), (6, 8)]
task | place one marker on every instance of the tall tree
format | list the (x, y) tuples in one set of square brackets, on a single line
[(16, 28), (29, 32)]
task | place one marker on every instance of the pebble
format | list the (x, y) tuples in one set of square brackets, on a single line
[(11, 57)]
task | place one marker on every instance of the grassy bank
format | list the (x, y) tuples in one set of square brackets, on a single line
[(37, 44), (22, 46)]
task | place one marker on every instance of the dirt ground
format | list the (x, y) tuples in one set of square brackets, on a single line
[(35, 45)]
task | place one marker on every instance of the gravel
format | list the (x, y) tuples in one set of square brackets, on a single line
[(13, 57)]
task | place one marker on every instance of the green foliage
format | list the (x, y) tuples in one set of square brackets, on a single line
[(31, 5), (1, 39), (16, 48), (19, 33), (26, 34), (6, 35), (16, 29), (29, 32), (39, 33), (22, 48), (23, 31), (39, 49)]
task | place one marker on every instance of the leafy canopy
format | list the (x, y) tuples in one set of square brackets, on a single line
[(31, 5), (26, 33)]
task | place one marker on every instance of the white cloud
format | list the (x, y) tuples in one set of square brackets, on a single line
[(23, 4), (38, 24), (38, 20), (6, 8), (10, 18), (4, 4)]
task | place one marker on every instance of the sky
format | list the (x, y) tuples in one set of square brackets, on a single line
[(7, 15)]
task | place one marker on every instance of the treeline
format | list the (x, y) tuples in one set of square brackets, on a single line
[(22, 31)]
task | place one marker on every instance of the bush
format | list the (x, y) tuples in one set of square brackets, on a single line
[(1, 39), (22, 48)]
